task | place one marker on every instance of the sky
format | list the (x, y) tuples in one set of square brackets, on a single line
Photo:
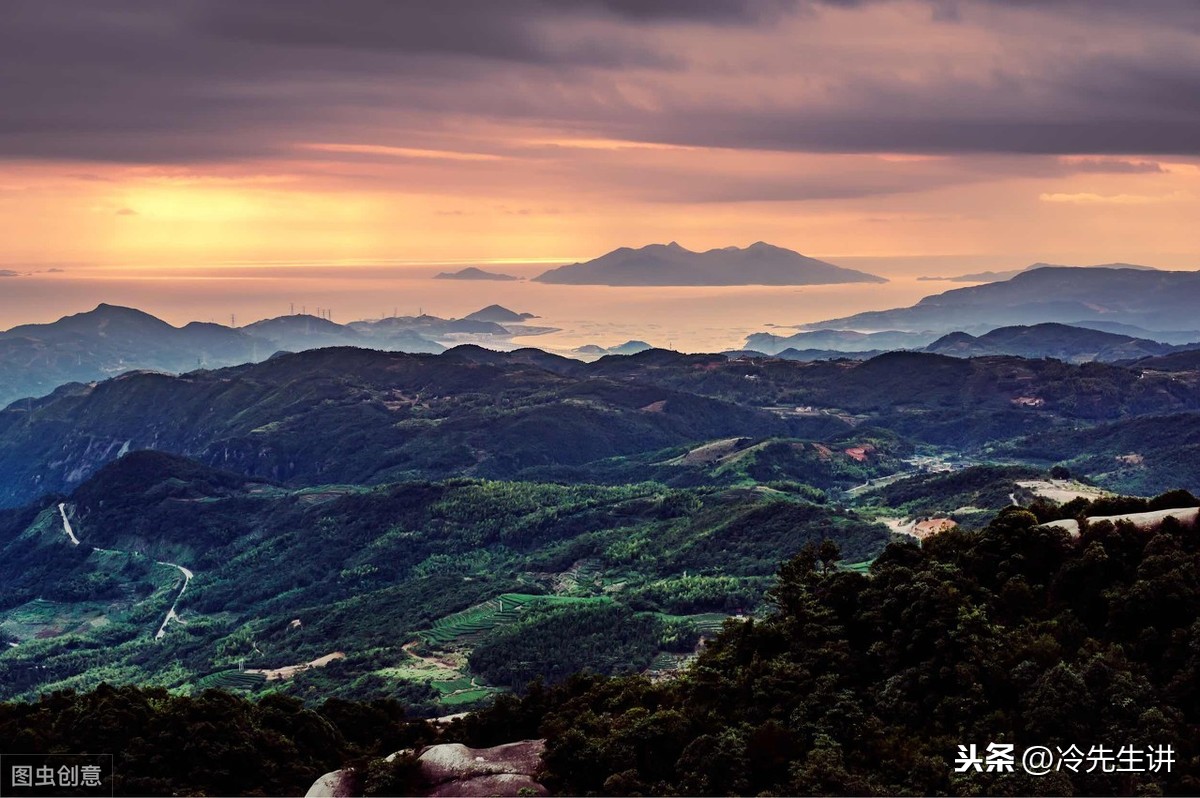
[(144, 137)]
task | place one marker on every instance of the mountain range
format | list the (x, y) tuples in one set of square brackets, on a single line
[(993, 277), (1061, 341), (1153, 300), (110, 340), (671, 264), (361, 416), (349, 523), (1070, 343)]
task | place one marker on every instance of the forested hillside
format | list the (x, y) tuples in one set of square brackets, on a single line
[(395, 585), (865, 684), (852, 684), (365, 417)]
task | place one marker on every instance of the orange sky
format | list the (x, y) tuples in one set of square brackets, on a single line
[(869, 129)]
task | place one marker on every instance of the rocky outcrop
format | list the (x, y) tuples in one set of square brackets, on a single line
[(337, 784), (453, 769)]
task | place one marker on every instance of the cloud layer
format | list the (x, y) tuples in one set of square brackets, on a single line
[(220, 79)]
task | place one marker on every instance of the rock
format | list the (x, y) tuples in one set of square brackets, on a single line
[(503, 784), (454, 769), (337, 784)]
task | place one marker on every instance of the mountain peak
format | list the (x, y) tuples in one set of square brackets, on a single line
[(498, 314)]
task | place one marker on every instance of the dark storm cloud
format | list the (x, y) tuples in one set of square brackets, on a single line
[(200, 80)]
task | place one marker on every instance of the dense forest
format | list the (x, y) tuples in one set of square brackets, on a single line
[(867, 684), (216, 743)]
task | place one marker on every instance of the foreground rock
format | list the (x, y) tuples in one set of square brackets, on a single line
[(1143, 521), (453, 769)]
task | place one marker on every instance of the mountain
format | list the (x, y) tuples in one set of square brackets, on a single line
[(627, 348), (499, 315), (1184, 360), (473, 273), (992, 277), (671, 264), (838, 340), (1061, 341), (301, 331), (428, 327), (357, 415), (805, 355), (362, 416), (1176, 337), (1149, 299), (109, 340)]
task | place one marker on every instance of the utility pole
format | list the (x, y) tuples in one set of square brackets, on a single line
[(232, 320)]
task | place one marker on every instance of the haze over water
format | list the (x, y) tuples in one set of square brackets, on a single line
[(685, 318), (693, 319)]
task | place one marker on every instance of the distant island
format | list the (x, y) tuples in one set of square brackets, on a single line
[(473, 273), (627, 348), (672, 264)]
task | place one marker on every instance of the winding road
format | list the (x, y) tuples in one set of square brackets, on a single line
[(171, 615), (187, 574), (62, 510)]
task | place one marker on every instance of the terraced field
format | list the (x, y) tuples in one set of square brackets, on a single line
[(469, 625), (232, 680), (582, 574), (665, 661), (707, 623), (473, 622)]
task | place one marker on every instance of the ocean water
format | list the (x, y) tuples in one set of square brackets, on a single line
[(689, 319)]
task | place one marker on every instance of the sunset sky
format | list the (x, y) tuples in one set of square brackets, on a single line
[(203, 131)]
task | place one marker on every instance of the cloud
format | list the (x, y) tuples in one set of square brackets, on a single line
[(126, 212), (9, 273), (1088, 198), (224, 80), (1113, 166), (401, 152)]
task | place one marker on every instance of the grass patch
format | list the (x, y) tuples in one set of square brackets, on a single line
[(468, 697)]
